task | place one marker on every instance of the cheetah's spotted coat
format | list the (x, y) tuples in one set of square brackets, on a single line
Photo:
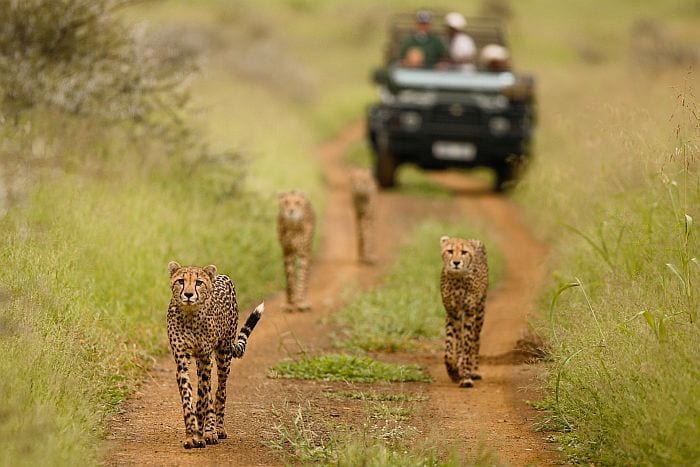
[(295, 226), (202, 321), (364, 196), (463, 285)]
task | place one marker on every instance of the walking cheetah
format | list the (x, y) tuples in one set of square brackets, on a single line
[(295, 226), (463, 284), (202, 320), (364, 195)]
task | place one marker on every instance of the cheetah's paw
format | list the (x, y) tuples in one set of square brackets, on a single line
[(211, 438), (194, 442), (466, 383)]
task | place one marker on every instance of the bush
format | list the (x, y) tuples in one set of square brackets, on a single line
[(77, 57)]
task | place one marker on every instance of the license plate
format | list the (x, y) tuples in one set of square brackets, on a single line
[(448, 150)]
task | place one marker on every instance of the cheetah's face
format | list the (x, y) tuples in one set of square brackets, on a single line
[(191, 285), (292, 205), (457, 254), (363, 183)]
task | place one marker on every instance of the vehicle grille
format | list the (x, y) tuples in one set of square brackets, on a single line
[(445, 114)]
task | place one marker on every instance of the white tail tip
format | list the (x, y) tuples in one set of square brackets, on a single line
[(260, 308)]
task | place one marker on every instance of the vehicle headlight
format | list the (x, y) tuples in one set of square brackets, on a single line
[(499, 126), (410, 121)]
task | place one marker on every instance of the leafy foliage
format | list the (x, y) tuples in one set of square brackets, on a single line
[(77, 57)]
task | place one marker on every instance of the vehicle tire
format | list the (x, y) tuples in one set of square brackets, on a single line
[(506, 177), (385, 169)]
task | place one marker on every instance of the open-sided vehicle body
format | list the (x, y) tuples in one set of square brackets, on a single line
[(442, 118)]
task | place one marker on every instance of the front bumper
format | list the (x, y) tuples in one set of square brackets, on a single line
[(470, 128)]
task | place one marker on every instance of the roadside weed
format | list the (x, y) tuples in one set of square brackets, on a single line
[(350, 368)]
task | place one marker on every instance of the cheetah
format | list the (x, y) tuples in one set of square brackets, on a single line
[(463, 284), (295, 226), (202, 321), (364, 195)]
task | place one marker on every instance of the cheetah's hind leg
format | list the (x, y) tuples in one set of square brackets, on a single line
[(466, 382)]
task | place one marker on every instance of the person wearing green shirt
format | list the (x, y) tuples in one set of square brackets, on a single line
[(430, 44)]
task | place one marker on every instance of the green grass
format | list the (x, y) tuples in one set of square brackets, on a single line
[(383, 438), (87, 292), (613, 201), (405, 311), (350, 368), (376, 396)]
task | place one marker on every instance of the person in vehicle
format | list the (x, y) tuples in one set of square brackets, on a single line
[(494, 57), (461, 47), (415, 58), (433, 48)]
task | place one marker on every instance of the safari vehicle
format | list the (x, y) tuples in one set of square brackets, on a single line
[(444, 118)]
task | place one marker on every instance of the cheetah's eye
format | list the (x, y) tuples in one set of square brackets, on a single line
[(198, 283), (450, 251), (180, 281), (464, 252)]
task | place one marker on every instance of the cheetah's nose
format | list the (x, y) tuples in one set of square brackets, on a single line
[(456, 263), (189, 295)]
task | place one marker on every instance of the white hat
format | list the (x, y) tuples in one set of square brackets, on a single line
[(494, 52), (455, 20)]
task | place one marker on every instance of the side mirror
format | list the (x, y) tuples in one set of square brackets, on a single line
[(380, 76)]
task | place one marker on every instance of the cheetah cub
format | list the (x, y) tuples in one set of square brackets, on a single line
[(463, 283), (202, 321), (295, 226), (364, 196)]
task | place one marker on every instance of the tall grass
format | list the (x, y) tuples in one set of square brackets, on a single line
[(621, 201), (86, 295)]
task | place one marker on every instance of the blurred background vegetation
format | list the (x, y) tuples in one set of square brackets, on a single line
[(133, 133)]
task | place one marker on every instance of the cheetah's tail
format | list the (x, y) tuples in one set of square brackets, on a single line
[(243, 335)]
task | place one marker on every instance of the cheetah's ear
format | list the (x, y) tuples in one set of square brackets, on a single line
[(173, 266), (443, 240), (211, 270)]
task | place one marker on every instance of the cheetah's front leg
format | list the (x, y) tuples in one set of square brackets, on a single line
[(466, 358), (451, 348), (193, 438), (205, 410), (366, 239), (290, 273), (478, 324), (302, 285)]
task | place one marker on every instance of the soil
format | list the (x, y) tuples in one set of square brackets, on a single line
[(494, 414)]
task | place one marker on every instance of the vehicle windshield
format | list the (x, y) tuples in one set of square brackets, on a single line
[(450, 80)]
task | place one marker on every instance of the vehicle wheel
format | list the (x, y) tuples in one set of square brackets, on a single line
[(506, 177), (385, 169)]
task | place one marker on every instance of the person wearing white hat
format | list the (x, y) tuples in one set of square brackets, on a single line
[(461, 47), (495, 57)]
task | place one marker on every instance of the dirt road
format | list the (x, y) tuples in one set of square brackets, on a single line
[(493, 414)]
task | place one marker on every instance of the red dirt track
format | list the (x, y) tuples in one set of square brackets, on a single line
[(150, 429)]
